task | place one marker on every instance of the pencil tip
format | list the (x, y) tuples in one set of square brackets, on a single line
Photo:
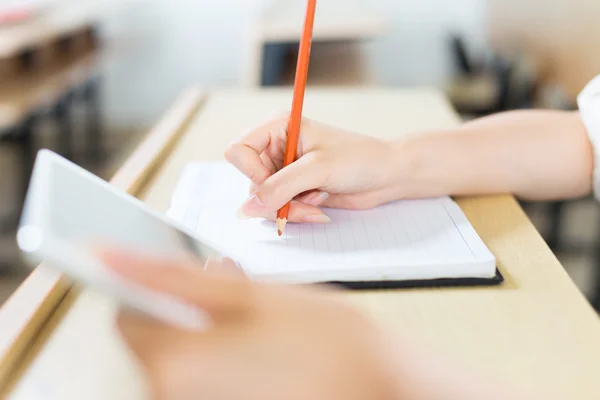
[(281, 225)]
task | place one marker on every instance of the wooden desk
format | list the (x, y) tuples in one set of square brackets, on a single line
[(536, 331), (31, 84), (46, 62), (61, 18), (561, 35), (27, 99), (19, 97), (340, 26)]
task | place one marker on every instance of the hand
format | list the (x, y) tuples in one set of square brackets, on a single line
[(334, 168), (270, 342), (265, 342)]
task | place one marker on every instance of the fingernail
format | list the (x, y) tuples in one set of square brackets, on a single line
[(316, 219), (316, 199)]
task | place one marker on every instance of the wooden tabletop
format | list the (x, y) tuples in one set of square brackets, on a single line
[(536, 331)]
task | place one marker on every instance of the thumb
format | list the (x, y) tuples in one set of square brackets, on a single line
[(305, 174), (222, 295)]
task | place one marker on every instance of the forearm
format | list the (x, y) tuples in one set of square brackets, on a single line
[(534, 154)]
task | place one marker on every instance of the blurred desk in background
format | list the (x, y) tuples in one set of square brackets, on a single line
[(562, 35), (336, 59), (536, 331), (55, 22), (48, 62), (46, 57)]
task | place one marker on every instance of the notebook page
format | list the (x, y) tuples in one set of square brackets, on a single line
[(412, 239)]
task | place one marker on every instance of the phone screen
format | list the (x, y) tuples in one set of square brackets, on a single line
[(68, 210), (69, 204)]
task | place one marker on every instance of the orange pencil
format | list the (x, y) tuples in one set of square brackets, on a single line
[(293, 131)]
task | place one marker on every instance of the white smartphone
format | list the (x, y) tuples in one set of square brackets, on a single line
[(68, 210)]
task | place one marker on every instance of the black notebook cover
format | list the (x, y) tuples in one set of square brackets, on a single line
[(426, 283)]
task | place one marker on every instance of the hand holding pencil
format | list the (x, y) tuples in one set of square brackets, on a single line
[(297, 165), (334, 168), (293, 130)]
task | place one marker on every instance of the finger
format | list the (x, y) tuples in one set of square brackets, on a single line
[(269, 163), (359, 201), (225, 265), (245, 154), (303, 175), (313, 198), (143, 335), (299, 212), (220, 295), (254, 208)]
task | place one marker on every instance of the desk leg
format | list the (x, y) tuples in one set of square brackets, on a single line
[(595, 300), (24, 138), (8, 222), (595, 296), (65, 127), (28, 151), (556, 219), (92, 97)]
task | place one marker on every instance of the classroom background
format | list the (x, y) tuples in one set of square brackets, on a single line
[(88, 78)]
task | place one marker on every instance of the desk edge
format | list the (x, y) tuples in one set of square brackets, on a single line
[(42, 292)]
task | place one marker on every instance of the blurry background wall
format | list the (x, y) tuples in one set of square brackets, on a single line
[(178, 42)]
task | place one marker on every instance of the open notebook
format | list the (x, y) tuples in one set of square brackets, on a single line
[(410, 242)]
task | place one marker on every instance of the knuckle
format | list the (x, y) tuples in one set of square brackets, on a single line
[(305, 124), (257, 176), (281, 114), (123, 324), (268, 195), (322, 159), (321, 165), (252, 175), (231, 151), (315, 157)]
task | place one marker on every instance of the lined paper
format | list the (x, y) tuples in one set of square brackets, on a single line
[(410, 239)]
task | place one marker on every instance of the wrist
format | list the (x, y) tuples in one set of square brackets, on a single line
[(424, 165)]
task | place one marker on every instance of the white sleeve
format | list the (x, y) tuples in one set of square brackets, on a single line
[(589, 108)]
